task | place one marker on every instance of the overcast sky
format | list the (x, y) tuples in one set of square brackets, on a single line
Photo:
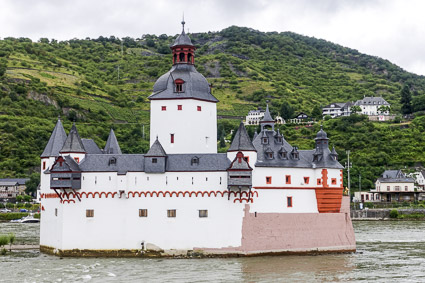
[(390, 29)]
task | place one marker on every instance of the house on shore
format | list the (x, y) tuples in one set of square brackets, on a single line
[(394, 185)]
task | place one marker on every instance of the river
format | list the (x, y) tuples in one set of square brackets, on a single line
[(386, 251)]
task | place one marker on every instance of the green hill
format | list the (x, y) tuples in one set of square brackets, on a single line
[(104, 82)]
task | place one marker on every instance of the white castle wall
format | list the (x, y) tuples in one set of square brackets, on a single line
[(194, 131)]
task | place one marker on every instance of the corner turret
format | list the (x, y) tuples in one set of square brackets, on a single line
[(112, 146), (73, 145)]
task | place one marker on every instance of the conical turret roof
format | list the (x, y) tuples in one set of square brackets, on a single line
[(241, 141), (56, 141), (156, 149), (73, 142), (321, 134), (267, 117), (112, 146)]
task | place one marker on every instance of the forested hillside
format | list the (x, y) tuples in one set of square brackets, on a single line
[(104, 82)]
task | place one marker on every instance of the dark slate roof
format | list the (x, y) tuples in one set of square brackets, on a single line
[(267, 117), (90, 146), (392, 174), (156, 149), (195, 85), (396, 180), (135, 162), (207, 162), (112, 146), (123, 163), (19, 181), (73, 142), (335, 105), (182, 39), (372, 101), (69, 165), (305, 156), (56, 141), (241, 141)]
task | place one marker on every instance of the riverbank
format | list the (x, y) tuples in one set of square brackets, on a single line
[(388, 214)]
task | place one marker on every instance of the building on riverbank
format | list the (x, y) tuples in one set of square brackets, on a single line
[(182, 198), (394, 185), (11, 188)]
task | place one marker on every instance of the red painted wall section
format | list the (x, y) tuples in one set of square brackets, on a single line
[(328, 199), (296, 232)]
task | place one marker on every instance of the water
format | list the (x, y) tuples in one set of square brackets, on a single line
[(386, 251)]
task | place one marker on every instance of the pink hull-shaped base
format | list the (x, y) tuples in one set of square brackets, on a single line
[(294, 233)]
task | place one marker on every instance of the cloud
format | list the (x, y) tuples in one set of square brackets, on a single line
[(391, 29)]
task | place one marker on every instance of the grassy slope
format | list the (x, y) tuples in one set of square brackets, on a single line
[(78, 79)]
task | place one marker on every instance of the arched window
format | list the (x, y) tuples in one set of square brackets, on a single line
[(181, 57), (189, 58), (175, 58), (179, 85)]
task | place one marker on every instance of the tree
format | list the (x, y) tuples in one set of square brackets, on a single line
[(317, 112), (32, 183), (355, 109), (286, 111), (406, 100), (383, 108)]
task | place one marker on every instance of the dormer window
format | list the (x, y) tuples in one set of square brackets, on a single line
[(179, 85), (283, 155), (112, 161), (154, 160), (265, 140), (194, 161)]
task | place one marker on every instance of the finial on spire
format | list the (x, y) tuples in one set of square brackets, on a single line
[(183, 22)]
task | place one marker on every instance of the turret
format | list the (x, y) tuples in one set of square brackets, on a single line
[(183, 49), (242, 143), (73, 146), (267, 120), (51, 151), (155, 158), (112, 146)]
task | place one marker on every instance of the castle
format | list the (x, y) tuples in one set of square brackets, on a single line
[(263, 196)]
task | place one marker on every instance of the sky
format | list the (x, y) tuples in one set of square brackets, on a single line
[(390, 29)]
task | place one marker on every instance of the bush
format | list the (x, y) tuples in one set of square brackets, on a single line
[(394, 213), (4, 240), (13, 215)]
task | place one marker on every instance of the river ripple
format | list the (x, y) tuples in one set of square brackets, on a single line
[(385, 251)]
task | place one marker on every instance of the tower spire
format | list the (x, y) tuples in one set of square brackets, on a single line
[(183, 23)]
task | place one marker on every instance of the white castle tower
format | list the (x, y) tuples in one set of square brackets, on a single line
[(183, 110)]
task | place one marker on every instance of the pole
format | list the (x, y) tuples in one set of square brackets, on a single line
[(348, 166)]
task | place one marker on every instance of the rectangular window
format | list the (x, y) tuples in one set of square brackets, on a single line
[(268, 180), (143, 213), (289, 201), (44, 165), (333, 181), (56, 212), (319, 181), (171, 213), (77, 159), (199, 108), (388, 188), (164, 108), (367, 197), (306, 180), (154, 160), (172, 138), (179, 87), (288, 179), (406, 188), (179, 107), (203, 213), (89, 212)]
